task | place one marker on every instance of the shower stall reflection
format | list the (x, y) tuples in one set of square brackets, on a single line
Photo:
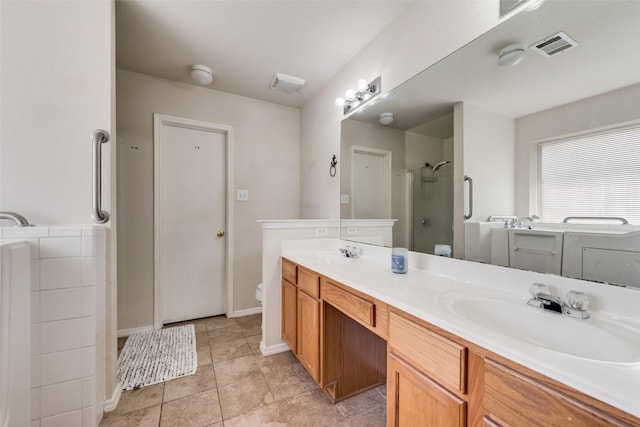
[(430, 204)]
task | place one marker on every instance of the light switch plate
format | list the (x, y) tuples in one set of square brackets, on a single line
[(243, 195)]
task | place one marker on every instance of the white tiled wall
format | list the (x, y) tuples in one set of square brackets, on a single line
[(67, 285)]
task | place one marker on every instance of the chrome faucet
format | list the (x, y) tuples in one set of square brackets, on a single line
[(520, 222), (575, 305), (18, 219), (351, 251)]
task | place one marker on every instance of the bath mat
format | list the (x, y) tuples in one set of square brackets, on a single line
[(156, 356)]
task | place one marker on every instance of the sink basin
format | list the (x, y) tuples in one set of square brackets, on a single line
[(594, 339), (331, 258)]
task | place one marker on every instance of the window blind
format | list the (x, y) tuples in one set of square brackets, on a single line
[(591, 175)]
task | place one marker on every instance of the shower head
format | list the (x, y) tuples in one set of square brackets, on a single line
[(439, 165)]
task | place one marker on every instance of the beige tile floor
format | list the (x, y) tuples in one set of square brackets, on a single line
[(236, 386)]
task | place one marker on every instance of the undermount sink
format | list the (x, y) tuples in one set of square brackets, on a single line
[(594, 339), (331, 258)]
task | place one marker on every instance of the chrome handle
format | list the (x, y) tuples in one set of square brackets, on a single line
[(470, 181), (534, 251), (220, 233), (99, 137), (598, 218)]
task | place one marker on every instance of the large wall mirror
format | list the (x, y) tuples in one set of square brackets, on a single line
[(404, 183)]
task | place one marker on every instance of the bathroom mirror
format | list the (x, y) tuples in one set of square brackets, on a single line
[(419, 158)]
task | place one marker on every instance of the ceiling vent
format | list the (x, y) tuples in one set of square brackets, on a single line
[(554, 45), (286, 83)]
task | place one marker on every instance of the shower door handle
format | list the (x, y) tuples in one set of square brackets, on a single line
[(470, 181), (98, 138)]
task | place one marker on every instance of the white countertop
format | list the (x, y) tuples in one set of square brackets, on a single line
[(417, 293)]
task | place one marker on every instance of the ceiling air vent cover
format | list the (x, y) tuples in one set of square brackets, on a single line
[(554, 44), (286, 83)]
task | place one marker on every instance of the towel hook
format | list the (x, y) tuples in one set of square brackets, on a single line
[(332, 168)]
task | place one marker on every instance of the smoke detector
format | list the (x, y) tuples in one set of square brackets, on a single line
[(386, 119), (553, 45), (511, 55), (201, 74), (286, 83)]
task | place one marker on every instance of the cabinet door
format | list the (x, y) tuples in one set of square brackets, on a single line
[(413, 399), (521, 401), (309, 334), (289, 315)]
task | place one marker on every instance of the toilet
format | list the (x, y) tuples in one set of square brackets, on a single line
[(259, 290)]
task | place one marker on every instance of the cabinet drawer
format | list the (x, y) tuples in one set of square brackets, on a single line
[(435, 355), (309, 282), (289, 271), (352, 305), (518, 400)]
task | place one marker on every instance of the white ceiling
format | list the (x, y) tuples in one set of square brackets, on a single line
[(606, 59), (247, 42)]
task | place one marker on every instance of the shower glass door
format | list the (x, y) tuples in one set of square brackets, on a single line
[(432, 208)]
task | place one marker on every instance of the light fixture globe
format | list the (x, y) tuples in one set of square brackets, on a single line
[(386, 119), (201, 74), (511, 55)]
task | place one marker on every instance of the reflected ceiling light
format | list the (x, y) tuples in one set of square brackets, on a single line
[(386, 118), (511, 55), (353, 99), (201, 74)]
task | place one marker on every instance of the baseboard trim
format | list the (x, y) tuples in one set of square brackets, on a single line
[(246, 312), (110, 404), (131, 331), (273, 349)]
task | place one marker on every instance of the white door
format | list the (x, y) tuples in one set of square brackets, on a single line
[(370, 184), (191, 252)]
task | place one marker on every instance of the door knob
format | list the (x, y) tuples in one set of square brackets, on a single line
[(220, 233)]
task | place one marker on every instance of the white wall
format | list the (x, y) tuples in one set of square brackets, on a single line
[(57, 86), (266, 162), (421, 149), (612, 108), (425, 33), (488, 145), (56, 89)]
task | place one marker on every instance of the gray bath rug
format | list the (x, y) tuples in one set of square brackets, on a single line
[(156, 356)]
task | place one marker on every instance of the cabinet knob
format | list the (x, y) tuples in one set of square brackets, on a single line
[(220, 233)]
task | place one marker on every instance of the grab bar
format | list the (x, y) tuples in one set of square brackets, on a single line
[(19, 220), (597, 218), (99, 137), (470, 181), (534, 251)]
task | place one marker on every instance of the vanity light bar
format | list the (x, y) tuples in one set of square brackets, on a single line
[(355, 99)]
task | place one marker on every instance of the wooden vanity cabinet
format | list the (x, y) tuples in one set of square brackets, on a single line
[(301, 315), (414, 399), (354, 326), (426, 376), (513, 398), (290, 315), (309, 334), (289, 304), (434, 378)]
